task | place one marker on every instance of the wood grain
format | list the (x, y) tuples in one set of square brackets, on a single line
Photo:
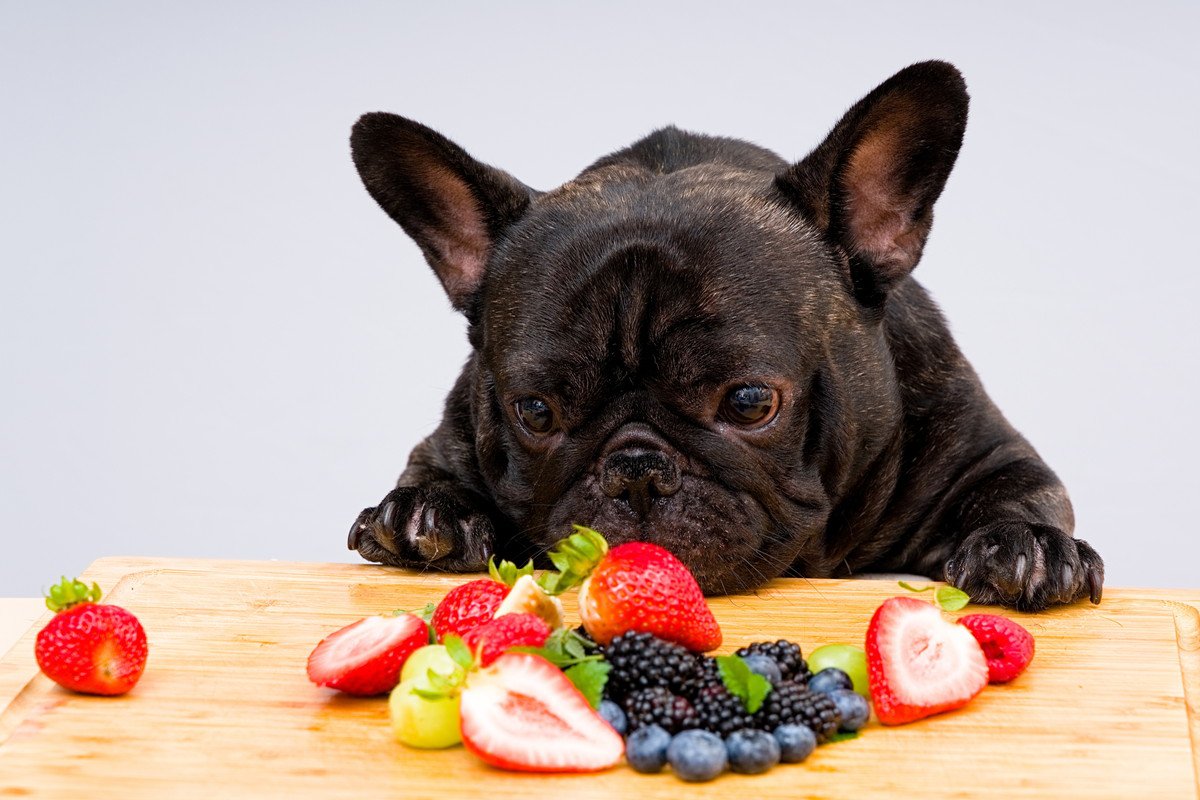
[(225, 710)]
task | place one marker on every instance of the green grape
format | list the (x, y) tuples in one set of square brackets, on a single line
[(421, 722), (430, 657), (846, 657)]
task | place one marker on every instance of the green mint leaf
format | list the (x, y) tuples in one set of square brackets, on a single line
[(457, 649), (951, 599), (589, 678), (736, 676), (842, 736), (911, 588), (758, 687)]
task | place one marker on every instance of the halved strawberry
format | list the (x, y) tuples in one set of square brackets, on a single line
[(505, 631), (523, 713), (365, 657), (1007, 646), (919, 662)]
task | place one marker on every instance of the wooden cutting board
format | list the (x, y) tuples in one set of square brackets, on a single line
[(225, 710)]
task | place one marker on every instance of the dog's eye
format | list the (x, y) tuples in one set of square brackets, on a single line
[(535, 414), (750, 406)]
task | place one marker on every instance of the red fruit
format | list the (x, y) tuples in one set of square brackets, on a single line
[(640, 586), (503, 632), (468, 606), (919, 662), (523, 713), (90, 647), (1007, 646), (365, 657)]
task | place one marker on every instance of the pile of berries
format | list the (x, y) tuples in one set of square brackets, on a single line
[(676, 707)]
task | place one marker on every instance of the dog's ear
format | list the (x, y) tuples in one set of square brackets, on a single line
[(871, 185), (453, 206)]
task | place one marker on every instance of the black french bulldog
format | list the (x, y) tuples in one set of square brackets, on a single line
[(699, 344)]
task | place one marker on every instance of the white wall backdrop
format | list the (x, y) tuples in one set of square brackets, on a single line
[(213, 343)]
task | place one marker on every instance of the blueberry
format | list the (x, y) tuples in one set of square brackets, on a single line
[(646, 748), (696, 755), (852, 707), (829, 680), (796, 743), (765, 666), (751, 751), (614, 716)]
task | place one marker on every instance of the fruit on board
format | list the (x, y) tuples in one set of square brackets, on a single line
[(636, 586), (422, 721), (919, 662), (88, 646), (848, 658), (523, 713), (1007, 646), (365, 657), (510, 630)]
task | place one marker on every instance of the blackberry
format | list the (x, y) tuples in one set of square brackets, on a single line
[(792, 703), (719, 711), (643, 661), (658, 706), (784, 653), (705, 674)]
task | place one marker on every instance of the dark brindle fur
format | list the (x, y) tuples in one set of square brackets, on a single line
[(632, 299)]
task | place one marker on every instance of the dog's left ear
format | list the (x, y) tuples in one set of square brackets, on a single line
[(871, 185)]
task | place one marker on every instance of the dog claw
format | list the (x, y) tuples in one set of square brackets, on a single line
[(1095, 586), (356, 530), (389, 510)]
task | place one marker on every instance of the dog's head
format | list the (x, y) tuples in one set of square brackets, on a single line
[(683, 344)]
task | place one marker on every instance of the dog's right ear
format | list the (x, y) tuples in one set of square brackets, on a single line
[(453, 206)]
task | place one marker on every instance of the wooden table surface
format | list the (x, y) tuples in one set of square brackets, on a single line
[(1109, 707)]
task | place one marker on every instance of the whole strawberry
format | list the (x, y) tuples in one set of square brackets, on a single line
[(88, 646), (493, 638), (636, 586)]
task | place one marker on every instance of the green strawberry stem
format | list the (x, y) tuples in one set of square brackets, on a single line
[(507, 572), (575, 557), (69, 593)]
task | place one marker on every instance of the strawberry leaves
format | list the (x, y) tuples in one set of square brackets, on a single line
[(574, 558), (67, 593), (507, 572), (564, 648), (948, 597), (750, 687)]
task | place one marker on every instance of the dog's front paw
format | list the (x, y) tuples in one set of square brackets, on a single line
[(1024, 565), (437, 525)]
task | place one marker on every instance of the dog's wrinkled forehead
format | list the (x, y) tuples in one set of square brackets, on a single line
[(693, 276)]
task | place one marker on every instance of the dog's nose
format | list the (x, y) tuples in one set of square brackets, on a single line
[(639, 475)]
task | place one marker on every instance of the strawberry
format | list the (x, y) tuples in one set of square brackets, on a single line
[(523, 713), (1007, 646), (467, 607), (920, 663), (475, 602), (88, 646), (505, 631), (365, 657), (636, 586)]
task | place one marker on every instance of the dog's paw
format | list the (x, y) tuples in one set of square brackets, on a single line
[(436, 525), (1026, 566)]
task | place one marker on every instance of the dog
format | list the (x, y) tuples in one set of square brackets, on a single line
[(699, 344)]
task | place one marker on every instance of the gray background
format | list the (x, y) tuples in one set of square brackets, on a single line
[(214, 344)]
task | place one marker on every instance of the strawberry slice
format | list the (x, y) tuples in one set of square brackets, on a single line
[(523, 713), (365, 657), (1007, 646), (919, 662), (505, 631)]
